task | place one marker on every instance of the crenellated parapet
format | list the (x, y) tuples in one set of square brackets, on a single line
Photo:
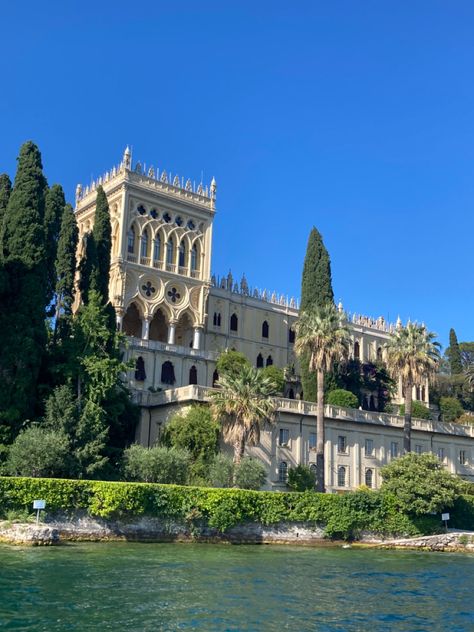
[(228, 283)]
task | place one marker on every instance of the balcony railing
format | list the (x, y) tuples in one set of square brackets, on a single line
[(157, 345)]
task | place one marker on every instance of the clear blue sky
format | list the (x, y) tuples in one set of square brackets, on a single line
[(354, 116)]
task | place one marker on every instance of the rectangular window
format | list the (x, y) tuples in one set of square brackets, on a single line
[(441, 454), (418, 449), (462, 457), (284, 437), (341, 444), (394, 449), (369, 447), (312, 439)]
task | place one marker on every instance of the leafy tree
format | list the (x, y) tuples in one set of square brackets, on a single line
[(420, 484), (5, 190), (277, 376), (450, 408), (316, 291), (250, 474), (340, 397), (323, 336), (454, 354), (221, 471), (197, 432), (23, 297), (301, 478), (243, 405), (157, 465), (467, 354), (54, 208), (418, 410), (231, 363), (38, 452), (413, 356)]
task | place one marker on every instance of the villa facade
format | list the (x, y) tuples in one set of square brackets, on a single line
[(178, 318)]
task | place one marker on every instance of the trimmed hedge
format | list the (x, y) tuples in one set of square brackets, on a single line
[(344, 516)]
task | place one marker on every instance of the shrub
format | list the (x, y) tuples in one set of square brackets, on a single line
[(466, 419), (157, 465), (231, 362), (420, 484), (276, 375), (451, 408), (340, 397), (301, 478), (249, 474), (38, 452), (221, 471), (418, 410)]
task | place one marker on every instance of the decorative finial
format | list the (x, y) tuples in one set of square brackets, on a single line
[(127, 158), (399, 322), (340, 307), (213, 189), (78, 192)]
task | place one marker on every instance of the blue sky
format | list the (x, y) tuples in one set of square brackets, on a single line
[(353, 116)]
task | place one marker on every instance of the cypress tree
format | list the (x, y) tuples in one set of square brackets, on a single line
[(54, 207), (454, 353), (5, 190), (316, 291), (65, 265), (23, 299), (102, 236)]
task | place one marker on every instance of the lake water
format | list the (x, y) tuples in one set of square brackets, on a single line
[(148, 587)]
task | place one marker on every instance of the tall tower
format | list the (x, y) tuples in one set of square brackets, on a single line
[(161, 253)]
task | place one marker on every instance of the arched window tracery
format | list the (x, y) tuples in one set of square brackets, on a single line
[(259, 361), (265, 329), (234, 322)]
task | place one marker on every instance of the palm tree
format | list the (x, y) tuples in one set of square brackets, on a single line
[(243, 403), (412, 356), (322, 335)]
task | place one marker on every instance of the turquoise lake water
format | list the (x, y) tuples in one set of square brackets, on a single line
[(121, 586)]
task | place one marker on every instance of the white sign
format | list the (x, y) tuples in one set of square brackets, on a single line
[(39, 504), (445, 516)]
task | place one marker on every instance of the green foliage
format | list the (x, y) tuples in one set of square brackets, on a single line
[(451, 408), (157, 465), (221, 471), (275, 375), (316, 291), (54, 208), (420, 484), (454, 354), (344, 516), (466, 419), (5, 190), (38, 452), (301, 478), (102, 237), (231, 363), (249, 474), (65, 264), (196, 431), (418, 411), (340, 397)]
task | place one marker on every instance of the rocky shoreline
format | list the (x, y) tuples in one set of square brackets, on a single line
[(148, 529)]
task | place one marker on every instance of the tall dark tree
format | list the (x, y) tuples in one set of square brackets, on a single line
[(454, 354), (24, 296), (5, 190), (65, 264), (102, 236), (316, 291), (54, 207)]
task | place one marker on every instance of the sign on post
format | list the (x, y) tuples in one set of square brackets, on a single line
[(38, 505), (445, 517)]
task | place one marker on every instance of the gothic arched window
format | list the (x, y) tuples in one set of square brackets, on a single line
[(291, 335), (167, 373), (144, 244), (291, 394), (234, 323), (341, 476), (217, 319), (215, 378), (140, 374), (356, 350), (131, 240), (265, 329), (259, 361), (182, 255), (269, 360), (157, 248), (283, 472), (170, 251), (379, 354), (193, 376), (194, 258), (369, 476)]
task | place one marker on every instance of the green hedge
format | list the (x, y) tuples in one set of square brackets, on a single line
[(344, 516)]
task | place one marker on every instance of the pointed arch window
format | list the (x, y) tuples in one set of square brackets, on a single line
[(182, 255), (234, 323), (379, 354), (265, 329), (140, 374), (283, 472), (259, 361), (341, 476), (144, 244), (131, 240), (194, 258), (167, 373), (193, 379), (356, 350), (269, 360), (169, 251), (217, 319), (369, 477), (215, 378), (157, 248), (291, 336)]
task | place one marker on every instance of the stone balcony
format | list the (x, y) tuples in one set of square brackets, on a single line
[(155, 345)]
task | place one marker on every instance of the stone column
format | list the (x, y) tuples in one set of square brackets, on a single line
[(145, 328), (197, 337), (171, 333), (119, 319)]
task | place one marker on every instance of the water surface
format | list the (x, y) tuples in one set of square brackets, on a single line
[(145, 587)]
